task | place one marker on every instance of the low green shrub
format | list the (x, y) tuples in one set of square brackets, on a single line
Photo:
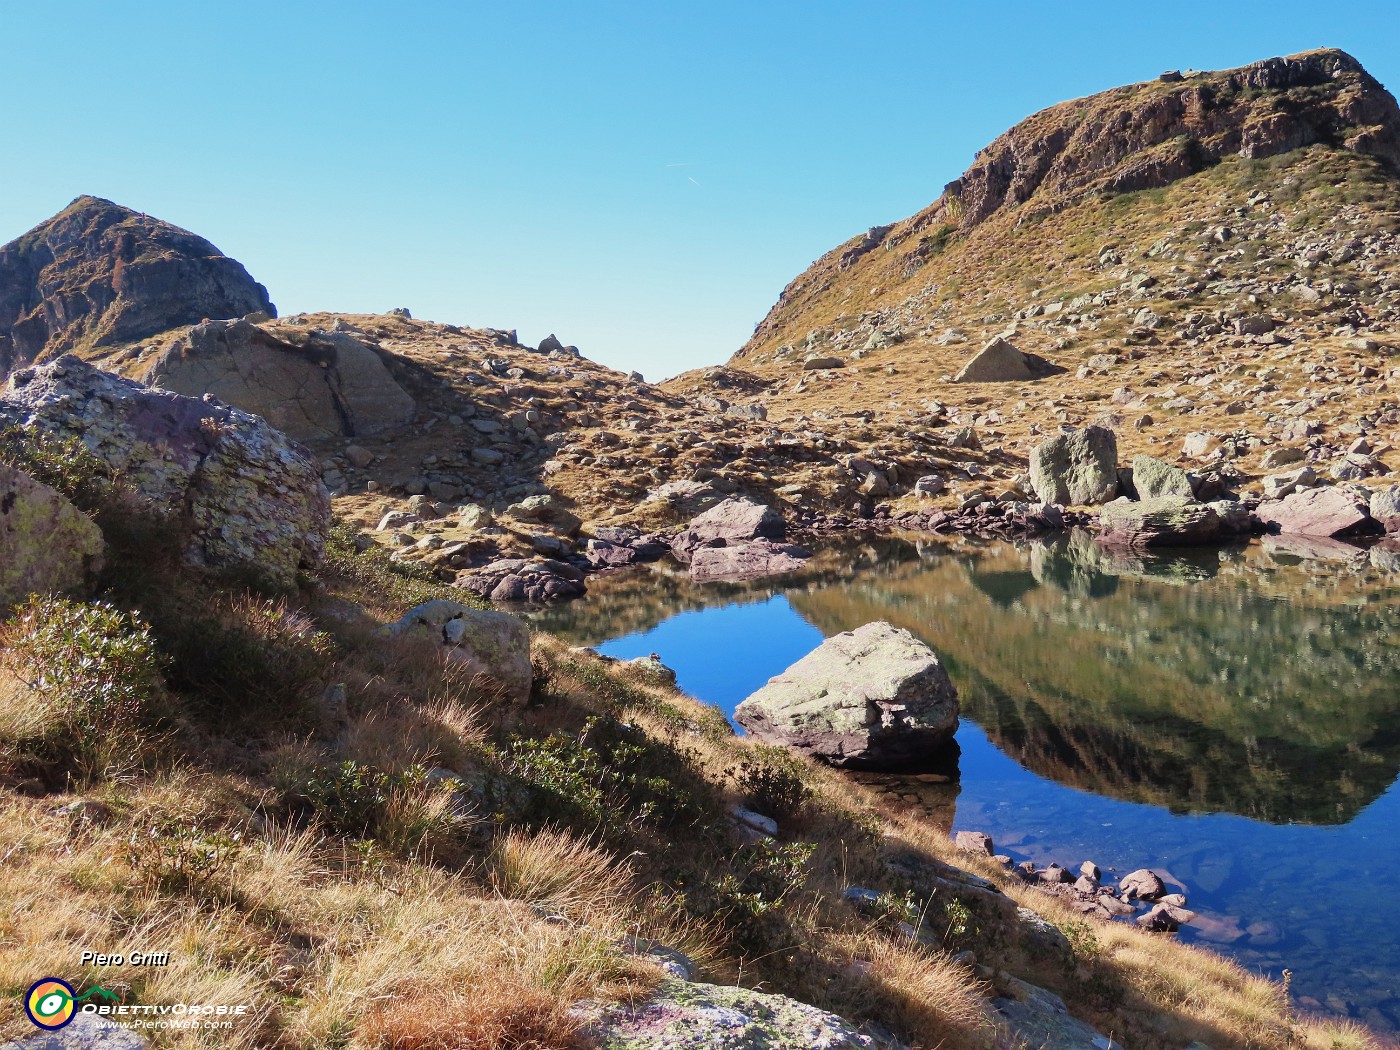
[(608, 777), (772, 782), (91, 681)]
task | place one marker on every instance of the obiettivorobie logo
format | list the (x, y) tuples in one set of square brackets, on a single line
[(51, 1003)]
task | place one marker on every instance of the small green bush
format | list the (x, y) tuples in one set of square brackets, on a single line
[(171, 857), (771, 782), (609, 776), (94, 676), (403, 812), (65, 464)]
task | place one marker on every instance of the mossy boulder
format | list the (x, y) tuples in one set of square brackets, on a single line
[(1076, 468), (1153, 477), (240, 496), (683, 1016), (49, 546)]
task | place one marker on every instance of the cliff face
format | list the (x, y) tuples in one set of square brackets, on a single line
[(1140, 137), (98, 274)]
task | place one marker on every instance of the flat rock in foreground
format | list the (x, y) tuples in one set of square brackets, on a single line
[(872, 698), (682, 1016)]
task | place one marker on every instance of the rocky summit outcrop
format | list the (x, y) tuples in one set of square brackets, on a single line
[(1144, 136), (49, 546), (1078, 467), (313, 385), (243, 497), (872, 698), (493, 645), (98, 274)]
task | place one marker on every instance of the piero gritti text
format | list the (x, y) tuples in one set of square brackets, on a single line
[(125, 959)]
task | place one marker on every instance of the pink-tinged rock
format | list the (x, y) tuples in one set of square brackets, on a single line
[(246, 497), (1316, 512), (974, 842), (731, 523), (750, 561)]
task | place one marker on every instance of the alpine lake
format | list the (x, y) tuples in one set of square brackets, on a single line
[(1227, 717)]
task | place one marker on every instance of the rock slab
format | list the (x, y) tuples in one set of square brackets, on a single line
[(244, 497), (1316, 512), (314, 386), (1166, 521), (49, 546), (872, 698)]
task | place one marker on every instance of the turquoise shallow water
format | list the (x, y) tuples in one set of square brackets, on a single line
[(1231, 719)]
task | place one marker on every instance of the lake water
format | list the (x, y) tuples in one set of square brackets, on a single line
[(1231, 719)]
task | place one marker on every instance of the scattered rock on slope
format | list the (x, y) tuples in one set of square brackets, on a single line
[(872, 698), (1078, 467), (997, 362), (247, 498), (327, 386), (49, 545), (98, 274)]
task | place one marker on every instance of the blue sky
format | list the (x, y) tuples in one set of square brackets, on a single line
[(641, 178)]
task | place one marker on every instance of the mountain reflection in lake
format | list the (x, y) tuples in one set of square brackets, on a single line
[(1231, 717)]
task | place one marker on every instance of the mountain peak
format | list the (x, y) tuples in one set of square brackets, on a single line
[(99, 273), (1146, 135)]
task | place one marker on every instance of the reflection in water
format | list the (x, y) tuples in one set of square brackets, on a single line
[(1232, 716)]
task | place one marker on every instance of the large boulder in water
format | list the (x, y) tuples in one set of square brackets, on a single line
[(49, 546), (1166, 521), (729, 524), (244, 497), (748, 561), (872, 698), (1076, 468), (315, 386)]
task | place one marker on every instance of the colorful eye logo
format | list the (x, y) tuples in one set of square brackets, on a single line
[(49, 1003)]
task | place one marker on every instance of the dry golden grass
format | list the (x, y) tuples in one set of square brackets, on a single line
[(444, 933)]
